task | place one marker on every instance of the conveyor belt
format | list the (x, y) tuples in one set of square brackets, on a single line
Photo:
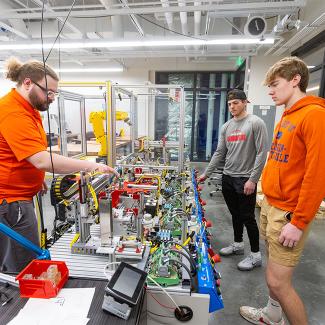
[(82, 266)]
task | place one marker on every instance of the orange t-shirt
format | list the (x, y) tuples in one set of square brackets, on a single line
[(21, 136)]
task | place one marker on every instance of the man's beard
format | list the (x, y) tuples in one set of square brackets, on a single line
[(37, 102)]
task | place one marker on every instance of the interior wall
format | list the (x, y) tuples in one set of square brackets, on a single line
[(257, 93)]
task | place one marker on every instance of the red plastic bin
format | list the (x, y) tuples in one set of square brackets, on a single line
[(32, 288)]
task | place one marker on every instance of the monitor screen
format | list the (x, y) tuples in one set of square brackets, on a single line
[(127, 282)]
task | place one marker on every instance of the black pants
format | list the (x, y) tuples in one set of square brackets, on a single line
[(19, 216), (242, 209)]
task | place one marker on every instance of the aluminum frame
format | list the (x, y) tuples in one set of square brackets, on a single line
[(125, 90), (65, 95)]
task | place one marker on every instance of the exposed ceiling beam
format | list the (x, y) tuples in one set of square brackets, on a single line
[(58, 17), (233, 26), (133, 18), (15, 26), (117, 23), (220, 8), (13, 30)]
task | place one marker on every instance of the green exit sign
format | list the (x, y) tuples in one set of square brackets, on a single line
[(239, 61)]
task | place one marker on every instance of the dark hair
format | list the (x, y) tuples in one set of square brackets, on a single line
[(236, 94)]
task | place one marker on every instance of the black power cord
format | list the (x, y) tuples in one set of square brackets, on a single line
[(47, 104), (66, 18), (183, 313), (47, 98)]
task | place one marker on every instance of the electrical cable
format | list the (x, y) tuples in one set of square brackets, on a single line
[(158, 302), (165, 316), (149, 21), (66, 18), (165, 28), (47, 98), (48, 113), (187, 257), (164, 290), (186, 268), (108, 277), (185, 249)]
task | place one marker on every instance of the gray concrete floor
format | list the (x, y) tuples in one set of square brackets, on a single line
[(249, 288)]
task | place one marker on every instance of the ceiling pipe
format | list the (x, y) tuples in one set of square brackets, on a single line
[(168, 15), (197, 20), (183, 17), (117, 23), (213, 9)]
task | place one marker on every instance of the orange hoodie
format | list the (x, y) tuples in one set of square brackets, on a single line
[(294, 176)]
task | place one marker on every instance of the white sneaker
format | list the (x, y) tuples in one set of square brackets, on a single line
[(233, 249), (248, 263), (258, 316)]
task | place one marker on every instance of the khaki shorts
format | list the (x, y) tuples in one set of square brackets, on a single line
[(272, 220)]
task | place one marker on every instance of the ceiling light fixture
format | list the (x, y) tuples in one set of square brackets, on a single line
[(131, 44), (62, 70), (81, 70)]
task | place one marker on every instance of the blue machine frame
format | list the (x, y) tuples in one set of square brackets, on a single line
[(42, 254), (205, 272)]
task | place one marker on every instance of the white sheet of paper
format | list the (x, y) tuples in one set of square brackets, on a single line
[(71, 306)]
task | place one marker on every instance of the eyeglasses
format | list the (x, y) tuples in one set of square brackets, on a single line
[(50, 93)]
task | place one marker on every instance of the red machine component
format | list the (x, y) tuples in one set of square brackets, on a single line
[(138, 170), (216, 258), (208, 224)]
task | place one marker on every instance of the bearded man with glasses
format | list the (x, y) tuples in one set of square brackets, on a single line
[(24, 158)]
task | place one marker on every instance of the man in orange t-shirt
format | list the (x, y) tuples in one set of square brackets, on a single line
[(24, 158), (293, 183)]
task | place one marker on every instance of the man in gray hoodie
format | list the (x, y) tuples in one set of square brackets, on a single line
[(241, 153)]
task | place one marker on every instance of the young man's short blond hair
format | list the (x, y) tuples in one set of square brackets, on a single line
[(287, 68)]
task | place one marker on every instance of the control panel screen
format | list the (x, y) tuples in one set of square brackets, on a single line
[(127, 282)]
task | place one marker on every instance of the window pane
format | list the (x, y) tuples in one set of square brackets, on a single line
[(52, 131), (182, 79), (72, 111), (314, 83), (206, 125), (208, 80)]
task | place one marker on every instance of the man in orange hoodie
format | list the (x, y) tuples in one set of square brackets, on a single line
[(293, 183)]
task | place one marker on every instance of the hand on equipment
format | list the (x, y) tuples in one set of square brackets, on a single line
[(102, 168), (201, 178)]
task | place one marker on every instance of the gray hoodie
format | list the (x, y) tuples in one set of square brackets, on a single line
[(242, 148)]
